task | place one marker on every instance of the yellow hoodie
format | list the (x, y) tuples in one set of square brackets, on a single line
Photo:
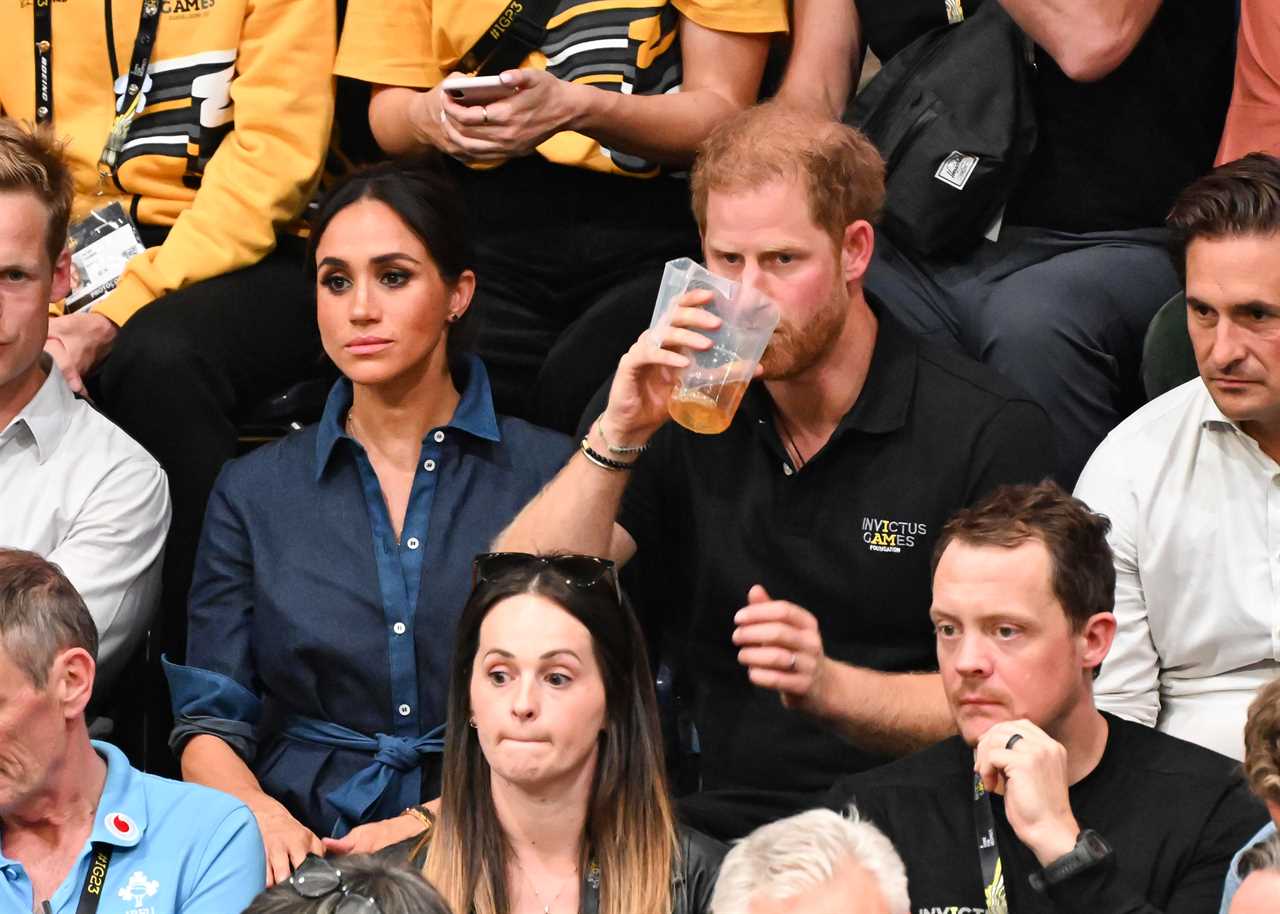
[(232, 138)]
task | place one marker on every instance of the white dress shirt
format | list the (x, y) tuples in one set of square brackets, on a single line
[(80, 492), (1195, 511)]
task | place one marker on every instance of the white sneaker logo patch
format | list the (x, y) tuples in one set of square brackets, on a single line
[(956, 169)]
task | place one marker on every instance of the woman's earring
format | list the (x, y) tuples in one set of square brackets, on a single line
[(453, 318), (472, 721)]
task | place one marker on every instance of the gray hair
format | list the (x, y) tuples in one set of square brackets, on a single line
[(396, 890), (41, 614), (793, 855), (1265, 856)]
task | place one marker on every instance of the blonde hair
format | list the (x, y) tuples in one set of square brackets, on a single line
[(32, 160), (841, 170), (1262, 743), (793, 855)]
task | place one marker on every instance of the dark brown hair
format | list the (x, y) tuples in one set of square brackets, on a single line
[(630, 823), (396, 889), (841, 170), (1262, 743), (1238, 198), (1083, 575), (41, 614), (32, 160)]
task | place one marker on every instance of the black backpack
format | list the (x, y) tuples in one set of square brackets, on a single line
[(952, 115)]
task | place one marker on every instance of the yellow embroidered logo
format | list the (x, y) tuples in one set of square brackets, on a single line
[(186, 7), (881, 535)]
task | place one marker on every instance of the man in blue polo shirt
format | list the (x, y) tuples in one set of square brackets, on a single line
[(80, 830)]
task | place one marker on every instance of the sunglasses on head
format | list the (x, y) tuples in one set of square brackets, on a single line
[(316, 877), (581, 571)]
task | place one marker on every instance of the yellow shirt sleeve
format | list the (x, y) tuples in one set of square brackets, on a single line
[(746, 16), (263, 171), (390, 43)]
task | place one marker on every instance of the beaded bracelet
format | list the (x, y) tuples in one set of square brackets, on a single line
[(601, 461)]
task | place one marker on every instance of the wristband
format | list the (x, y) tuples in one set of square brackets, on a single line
[(612, 449), (602, 461)]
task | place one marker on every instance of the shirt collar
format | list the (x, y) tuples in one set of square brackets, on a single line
[(48, 414), (473, 415), (122, 810), (885, 399), (1210, 416)]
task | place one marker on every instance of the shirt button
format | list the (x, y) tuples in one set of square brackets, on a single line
[(412, 543), (429, 465), (438, 436), (398, 628), (786, 469), (404, 710)]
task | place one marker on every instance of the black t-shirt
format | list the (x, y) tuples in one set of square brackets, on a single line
[(1173, 812), (848, 537), (1112, 154)]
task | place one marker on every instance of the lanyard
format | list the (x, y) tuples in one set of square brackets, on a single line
[(91, 893), (988, 851), (126, 105)]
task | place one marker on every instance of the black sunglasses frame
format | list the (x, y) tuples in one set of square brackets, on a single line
[(315, 866), (489, 565)]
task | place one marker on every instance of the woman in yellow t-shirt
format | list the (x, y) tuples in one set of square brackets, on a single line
[(570, 236)]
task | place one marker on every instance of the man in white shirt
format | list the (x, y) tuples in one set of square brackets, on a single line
[(1191, 482), (73, 487)]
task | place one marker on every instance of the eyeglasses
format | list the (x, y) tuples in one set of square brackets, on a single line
[(316, 877), (581, 571)]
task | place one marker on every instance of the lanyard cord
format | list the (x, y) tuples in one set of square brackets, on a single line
[(127, 104), (91, 893), (988, 851)]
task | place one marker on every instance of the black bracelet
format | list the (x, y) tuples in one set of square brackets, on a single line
[(601, 461)]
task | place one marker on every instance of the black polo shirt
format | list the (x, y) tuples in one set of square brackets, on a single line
[(848, 537)]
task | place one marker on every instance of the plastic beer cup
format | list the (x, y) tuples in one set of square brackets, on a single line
[(707, 392)]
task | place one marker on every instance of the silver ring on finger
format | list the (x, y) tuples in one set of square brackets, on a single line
[(1012, 740), (485, 113), (791, 667)]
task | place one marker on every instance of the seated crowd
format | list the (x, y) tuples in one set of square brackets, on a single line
[(946, 618)]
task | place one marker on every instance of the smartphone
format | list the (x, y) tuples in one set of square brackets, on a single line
[(477, 90)]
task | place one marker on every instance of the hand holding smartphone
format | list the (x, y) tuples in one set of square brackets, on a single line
[(477, 90)]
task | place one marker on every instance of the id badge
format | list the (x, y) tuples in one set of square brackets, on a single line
[(100, 245)]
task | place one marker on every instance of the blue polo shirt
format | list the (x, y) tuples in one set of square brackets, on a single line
[(175, 849)]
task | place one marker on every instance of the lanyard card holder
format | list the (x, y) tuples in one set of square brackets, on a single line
[(100, 246)]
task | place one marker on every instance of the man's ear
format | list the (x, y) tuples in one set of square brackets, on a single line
[(61, 277), (1096, 637), (855, 250), (71, 680)]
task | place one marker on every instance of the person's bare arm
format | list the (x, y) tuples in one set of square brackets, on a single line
[(893, 713), (209, 761), (1087, 38), (826, 56), (577, 511), (721, 75)]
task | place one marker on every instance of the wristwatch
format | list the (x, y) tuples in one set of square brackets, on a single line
[(1091, 849)]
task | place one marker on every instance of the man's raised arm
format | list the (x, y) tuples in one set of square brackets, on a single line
[(578, 510)]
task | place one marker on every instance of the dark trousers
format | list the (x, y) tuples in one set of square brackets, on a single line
[(183, 370), (1062, 316), (568, 264)]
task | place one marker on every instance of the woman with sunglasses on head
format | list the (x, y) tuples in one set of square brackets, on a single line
[(333, 563), (555, 793), (359, 884)]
